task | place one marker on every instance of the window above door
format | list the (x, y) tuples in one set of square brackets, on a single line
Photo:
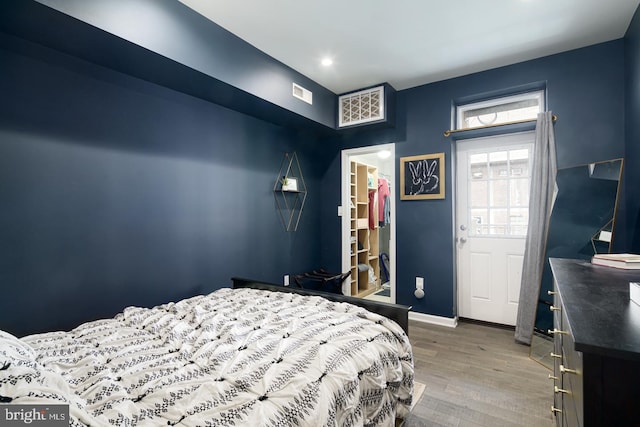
[(498, 111)]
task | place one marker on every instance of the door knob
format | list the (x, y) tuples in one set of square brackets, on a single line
[(463, 240), (463, 227)]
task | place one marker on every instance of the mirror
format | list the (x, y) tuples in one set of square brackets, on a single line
[(581, 225)]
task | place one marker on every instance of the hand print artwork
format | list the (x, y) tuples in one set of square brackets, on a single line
[(422, 177)]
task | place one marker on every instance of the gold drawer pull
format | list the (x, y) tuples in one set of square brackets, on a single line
[(559, 390), (557, 331), (567, 370), (554, 308), (557, 356), (551, 293), (554, 410), (551, 377)]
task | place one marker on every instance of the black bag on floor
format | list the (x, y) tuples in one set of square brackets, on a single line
[(321, 280)]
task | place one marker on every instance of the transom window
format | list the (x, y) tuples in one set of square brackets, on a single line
[(497, 111), (499, 192)]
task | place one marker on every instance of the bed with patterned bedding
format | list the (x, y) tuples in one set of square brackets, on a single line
[(235, 357)]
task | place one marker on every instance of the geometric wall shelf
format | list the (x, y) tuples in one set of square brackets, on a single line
[(290, 192)]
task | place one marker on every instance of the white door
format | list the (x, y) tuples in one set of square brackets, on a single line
[(492, 212)]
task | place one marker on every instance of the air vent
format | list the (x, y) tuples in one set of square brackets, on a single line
[(302, 93), (361, 107)]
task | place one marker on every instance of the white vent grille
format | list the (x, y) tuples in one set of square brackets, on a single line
[(361, 107), (302, 93)]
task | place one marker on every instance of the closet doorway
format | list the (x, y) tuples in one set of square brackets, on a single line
[(368, 225)]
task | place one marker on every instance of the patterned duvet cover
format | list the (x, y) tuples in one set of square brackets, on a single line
[(235, 357)]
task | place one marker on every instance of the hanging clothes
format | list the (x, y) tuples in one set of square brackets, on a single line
[(384, 195), (372, 209)]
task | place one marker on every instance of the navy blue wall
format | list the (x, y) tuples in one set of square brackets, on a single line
[(167, 43), (585, 89), (632, 155), (115, 191)]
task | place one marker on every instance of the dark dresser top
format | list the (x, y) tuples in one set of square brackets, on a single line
[(602, 318)]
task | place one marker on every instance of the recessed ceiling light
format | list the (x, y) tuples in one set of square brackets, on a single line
[(327, 62)]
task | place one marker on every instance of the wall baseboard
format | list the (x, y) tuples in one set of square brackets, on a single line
[(434, 320)]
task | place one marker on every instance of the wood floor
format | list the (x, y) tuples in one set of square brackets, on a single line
[(477, 375)]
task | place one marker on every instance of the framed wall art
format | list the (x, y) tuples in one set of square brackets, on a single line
[(422, 177)]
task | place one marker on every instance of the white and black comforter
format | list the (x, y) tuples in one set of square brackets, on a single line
[(231, 358)]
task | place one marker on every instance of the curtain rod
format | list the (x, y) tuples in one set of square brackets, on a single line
[(450, 131)]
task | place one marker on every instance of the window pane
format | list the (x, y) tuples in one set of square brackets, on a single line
[(518, 170), (503, 106), (499, 170), (519, 163), (478, 222), (501, 110), (521, 154), (478, 166), (487, 117), (499, 194), (478, 196), (519, 218), (498, 156), (519, 192), (498, 164), (478, 158), (499, 220)]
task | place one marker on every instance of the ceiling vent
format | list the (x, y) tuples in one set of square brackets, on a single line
[(302, 93), (361, 107)]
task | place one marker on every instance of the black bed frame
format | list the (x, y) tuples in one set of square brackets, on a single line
[(396, 312)]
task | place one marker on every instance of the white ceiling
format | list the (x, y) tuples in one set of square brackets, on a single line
[(412, 42)]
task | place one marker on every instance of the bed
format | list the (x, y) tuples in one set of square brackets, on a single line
[(252, 355)]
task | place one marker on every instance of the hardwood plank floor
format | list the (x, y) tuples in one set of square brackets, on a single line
[(477, 375)]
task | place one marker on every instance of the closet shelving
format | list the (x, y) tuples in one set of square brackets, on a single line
[(365, 263)]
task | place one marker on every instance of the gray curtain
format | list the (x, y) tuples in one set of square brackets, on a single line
[(541, 197)]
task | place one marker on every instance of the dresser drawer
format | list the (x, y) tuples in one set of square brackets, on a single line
[(568, 385), (557, 338), (572, 381)]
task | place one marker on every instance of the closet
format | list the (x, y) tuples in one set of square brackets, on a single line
[(364, 229)]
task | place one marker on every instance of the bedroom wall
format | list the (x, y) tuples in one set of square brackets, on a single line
[(176, 48), (585, 89), (116, 192), (632, 137)]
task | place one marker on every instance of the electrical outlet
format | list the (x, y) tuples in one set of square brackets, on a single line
[(286, 280), (420, 283)]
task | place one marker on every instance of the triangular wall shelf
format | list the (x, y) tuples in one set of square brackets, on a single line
[(290, 191)]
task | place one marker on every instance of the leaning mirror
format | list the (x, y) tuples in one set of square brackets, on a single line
[(581, 225)]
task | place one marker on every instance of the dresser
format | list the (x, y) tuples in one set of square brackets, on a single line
[(596, 336)]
